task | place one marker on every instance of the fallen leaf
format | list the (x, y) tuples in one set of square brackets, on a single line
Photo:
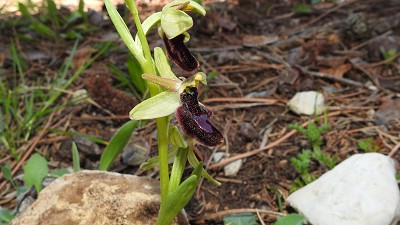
[(338, 71), (258, 40), (388, 111)]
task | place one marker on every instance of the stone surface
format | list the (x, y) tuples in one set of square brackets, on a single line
[(307, 103), (362, 190), (233, 168), (95, 197)]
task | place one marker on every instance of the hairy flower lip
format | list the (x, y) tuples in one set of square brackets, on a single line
[(194, 119), (180, 54)]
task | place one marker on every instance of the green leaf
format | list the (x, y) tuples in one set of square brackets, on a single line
[(154, 162), (240, 219), (35, 171), (177, 169), (24, 11), (6, 215), (75, 157), (367, 145), (53, 13), (6, 170), (174, 22), (157, 106), (117, 144), (195, 162), (178, 198), (59, 173), (302, 8), (162, 65), (124, 32), (135, 73), (291, 219)]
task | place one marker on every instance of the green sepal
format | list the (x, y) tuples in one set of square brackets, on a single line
[(175, 22), (178, 198), (186, 5), (195, 162), (175, 137), (154, 162), (187, 36), (157, 106), (148, 24), (162, 65)]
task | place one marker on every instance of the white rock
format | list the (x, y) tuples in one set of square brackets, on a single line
[(307, 103), (219, 155), (362, 190), (233, 168)]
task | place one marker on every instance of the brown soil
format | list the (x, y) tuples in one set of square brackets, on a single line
[(263, 53)]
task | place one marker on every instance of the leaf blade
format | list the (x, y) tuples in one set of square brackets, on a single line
[(117, 144)]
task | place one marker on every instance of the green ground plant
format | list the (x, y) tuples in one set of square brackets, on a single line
[(387, 54), (368, 145), (303, 160), (19, 121), (35, 171)]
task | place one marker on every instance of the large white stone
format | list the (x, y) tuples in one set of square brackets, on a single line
[(362, 190), (307, 103), (95, 197)]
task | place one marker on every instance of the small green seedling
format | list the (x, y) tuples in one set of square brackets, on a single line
[(367, 145), (7, 174), (303, 160), (6, 215), (388, 54), (75, 158), (291, 219), (241, 219), (35, 170)]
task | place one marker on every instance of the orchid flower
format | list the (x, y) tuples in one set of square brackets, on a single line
[(180, 97), (174, 22)]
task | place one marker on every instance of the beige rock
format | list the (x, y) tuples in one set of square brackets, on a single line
[(95, 198)]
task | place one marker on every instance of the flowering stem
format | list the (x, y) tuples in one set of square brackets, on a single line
[(162, 125)]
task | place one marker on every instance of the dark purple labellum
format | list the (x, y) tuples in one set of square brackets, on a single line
[(193, 118), (180, 54)]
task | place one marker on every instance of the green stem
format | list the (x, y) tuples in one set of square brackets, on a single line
[(162, 125)]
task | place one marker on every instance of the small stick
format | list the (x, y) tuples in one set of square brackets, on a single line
[(329, 12), (264, 100), (394, 149), (256, 151), (334, 78)]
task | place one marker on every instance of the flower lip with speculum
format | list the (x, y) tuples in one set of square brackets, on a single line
[(194, 119)]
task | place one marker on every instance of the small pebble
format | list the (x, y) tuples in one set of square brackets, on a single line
[(233, 168), (307, 103)]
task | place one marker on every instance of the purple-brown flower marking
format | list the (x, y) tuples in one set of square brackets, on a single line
[(193, 118), (180, 54)]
